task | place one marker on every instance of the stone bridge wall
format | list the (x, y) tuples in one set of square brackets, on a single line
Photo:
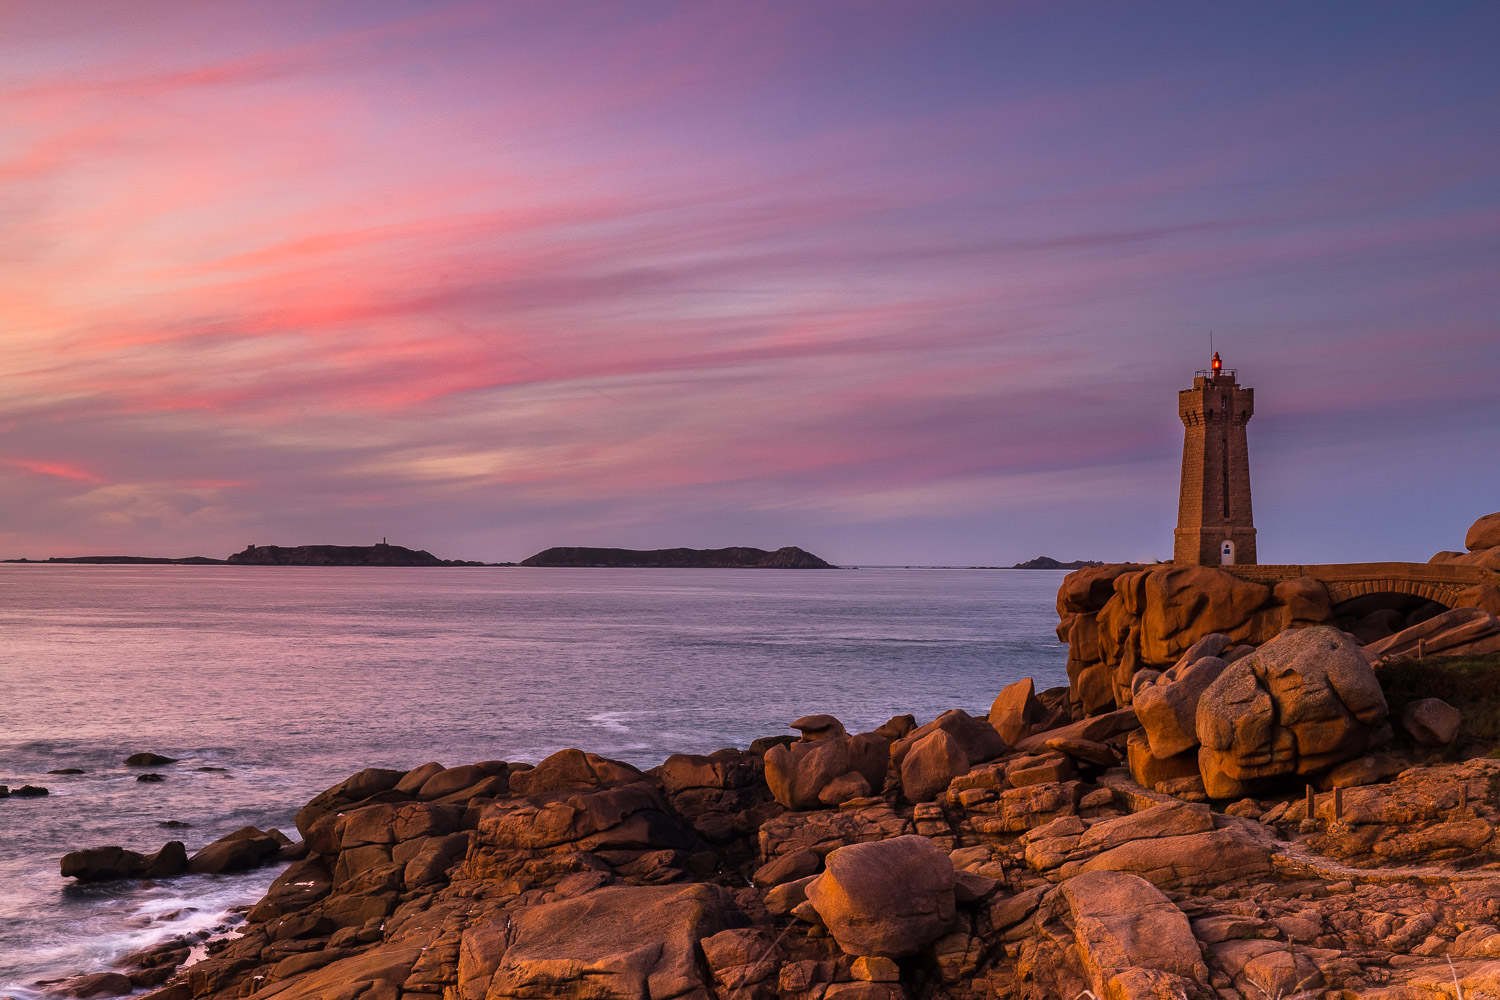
[(1444, 584)]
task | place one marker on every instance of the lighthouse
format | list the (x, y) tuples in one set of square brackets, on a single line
[(1214, 523)]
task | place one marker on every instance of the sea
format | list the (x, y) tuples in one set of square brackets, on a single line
[(270, 684)]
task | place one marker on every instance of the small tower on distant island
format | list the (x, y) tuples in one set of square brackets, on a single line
[(1214, 524)]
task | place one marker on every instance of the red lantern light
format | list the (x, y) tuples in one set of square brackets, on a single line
[(1217, 363)]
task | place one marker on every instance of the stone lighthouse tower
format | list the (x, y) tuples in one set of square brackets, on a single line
[(1214, 525)]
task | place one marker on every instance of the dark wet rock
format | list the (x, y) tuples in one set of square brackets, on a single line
[(152, 778), (67, 770), (148, 760), (243, 849), (104, 864), (98, 984), (28, 792), (155, 965), (99, 864), (170, 860), (174, 824), (211, 769)]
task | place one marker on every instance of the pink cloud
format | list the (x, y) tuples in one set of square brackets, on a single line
[(61, 470)]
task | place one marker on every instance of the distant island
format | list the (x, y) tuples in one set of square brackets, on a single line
[(340, 555), (737, 557), (1047, 562), (383, 554), (125, 560)]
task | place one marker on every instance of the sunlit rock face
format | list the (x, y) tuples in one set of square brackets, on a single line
[(1302, 703)]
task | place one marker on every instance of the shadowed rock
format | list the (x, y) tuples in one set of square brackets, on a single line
[(148, 760)]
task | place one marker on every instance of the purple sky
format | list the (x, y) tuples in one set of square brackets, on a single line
[(893, 282)]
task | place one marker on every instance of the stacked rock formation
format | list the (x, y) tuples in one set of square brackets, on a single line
[(1120, 619), (1483, 544)]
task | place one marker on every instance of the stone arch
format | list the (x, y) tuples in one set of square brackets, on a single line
[(1445, 594)]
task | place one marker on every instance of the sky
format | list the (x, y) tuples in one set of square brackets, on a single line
[(900, 283)]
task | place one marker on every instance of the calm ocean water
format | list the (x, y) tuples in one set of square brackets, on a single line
[(292, 678)]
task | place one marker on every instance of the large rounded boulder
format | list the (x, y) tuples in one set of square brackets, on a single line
[(886, 898), (1483, 543), (1302, 703), (1483, 533)]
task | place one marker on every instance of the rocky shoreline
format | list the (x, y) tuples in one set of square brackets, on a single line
[(1281, 812), (1008, 856)]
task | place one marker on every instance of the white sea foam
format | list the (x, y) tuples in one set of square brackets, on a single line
[(614, 722)]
